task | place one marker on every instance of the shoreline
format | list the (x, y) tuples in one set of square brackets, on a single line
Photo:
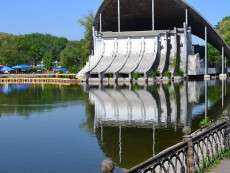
[(56, 81)]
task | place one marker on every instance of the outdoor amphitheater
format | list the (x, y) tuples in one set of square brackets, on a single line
[(150, 38)]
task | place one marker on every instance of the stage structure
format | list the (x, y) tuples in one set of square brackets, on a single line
[(149, 37)]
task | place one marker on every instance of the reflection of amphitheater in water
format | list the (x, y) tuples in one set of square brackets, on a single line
[(132, 125), (164, 106)]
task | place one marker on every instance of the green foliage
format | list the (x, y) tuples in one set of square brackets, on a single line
[(179, 72), (87, 23), (174, 62), (167, 74), (48, 60), (223, 28), (136, 75), (214, 56), (29, 49), (73, 55), (209, 163), (153, 73), (206, 122)]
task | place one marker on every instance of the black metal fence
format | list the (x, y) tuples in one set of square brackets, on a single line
[(195, 153)]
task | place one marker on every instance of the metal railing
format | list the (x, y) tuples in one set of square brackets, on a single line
[(195, 153)]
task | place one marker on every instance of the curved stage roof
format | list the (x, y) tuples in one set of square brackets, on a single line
[(136, 15)]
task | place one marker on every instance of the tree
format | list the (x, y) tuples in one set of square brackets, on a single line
[(29, 48), (87, 23), (223, 28), (72, 56), (48, 60)]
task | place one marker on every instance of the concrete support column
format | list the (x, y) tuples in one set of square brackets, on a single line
[(145, 76), (223, 74), (101, 76), (154, 139), (223, 60), (115, 76), (100, 23), (176, 44), (94, 41), (130, 76), (206, 76), (206, 97), (186, 16), (186, 49), (222, 92), (87, 76), (153, 15), (118, 16), (120, 145), (206, 52)]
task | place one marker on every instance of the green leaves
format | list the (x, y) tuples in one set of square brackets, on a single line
[(223, 28), (72, 57), (30, 48)]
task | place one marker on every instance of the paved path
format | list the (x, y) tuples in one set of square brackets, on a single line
[(224, 167)]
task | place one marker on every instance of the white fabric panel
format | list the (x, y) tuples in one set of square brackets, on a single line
[(194, 89), (124, 48), (183, 105), (98, 54), (194, 67), (182, 52), (100, 111), (137, 110), (150, 105), (134, 57), (163, 53), (149, 55), (110, 106), (173, 54), (163, 102), (122, 105), (108, 56), (83, 71), (173, 104)]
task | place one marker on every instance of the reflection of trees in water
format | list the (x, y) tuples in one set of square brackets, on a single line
[(131, 126), (131, 142), (135, 144), (40, 98)]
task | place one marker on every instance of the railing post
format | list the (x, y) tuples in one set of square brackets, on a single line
[(189, 155)]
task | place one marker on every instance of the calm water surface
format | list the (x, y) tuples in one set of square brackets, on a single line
[(56, 129)]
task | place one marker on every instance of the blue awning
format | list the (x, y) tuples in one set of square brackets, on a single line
[(6, 69), (22, 67)]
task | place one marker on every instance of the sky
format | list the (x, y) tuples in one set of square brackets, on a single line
[(60, 17)]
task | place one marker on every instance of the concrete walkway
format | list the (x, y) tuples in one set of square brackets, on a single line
[(223, 167)]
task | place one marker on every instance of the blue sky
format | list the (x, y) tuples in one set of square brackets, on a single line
[(60, 17)]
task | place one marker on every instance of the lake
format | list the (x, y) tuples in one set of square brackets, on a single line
[(47, 128)]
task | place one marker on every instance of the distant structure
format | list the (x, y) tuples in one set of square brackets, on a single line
[(147, 37), (142, 109)]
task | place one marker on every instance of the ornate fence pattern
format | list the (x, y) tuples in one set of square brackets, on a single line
[(193, 154)]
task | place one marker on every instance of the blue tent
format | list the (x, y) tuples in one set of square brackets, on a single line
[(22, 67), (40, 65), (6, 69), (60, 69)]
